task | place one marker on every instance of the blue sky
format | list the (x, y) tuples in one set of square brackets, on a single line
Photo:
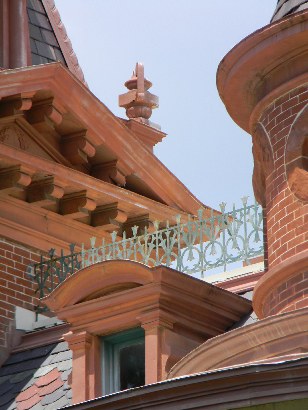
[(181, 43)]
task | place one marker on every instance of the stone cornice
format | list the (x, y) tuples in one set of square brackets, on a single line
[(103, 129), (275, 276), (117, 294), (261, 63), (264, 339), (41, 338), (237, 387)]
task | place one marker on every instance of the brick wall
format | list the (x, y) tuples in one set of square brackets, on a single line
[(287, 217), (289, 295), (16, 289)]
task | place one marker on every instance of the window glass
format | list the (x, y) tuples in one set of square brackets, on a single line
[(123, 361)]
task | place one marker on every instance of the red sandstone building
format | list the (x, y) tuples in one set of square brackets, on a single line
[(121, 322)]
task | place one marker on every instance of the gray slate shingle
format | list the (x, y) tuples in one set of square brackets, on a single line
[(286, 7), (22, 370)]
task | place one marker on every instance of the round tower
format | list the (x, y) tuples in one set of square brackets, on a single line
[(263, 82)]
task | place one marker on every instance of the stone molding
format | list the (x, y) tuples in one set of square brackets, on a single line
[(257, 66), (275, 277), (102, 129), (277, 336), (177, 313)]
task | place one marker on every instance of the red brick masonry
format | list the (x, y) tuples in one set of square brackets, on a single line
[(16, 289), (287, 216), (290, 295)]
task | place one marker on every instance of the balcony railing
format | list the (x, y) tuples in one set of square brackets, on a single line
[(194, 247)]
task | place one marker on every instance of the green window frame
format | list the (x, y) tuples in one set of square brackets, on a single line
[(123, 360)]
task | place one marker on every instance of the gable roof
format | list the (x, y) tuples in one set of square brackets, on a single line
[(103, 130)]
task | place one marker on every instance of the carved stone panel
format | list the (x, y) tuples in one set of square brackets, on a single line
[(14, 136)]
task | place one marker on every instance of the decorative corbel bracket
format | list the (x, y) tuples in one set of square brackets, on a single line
[(45, 192), (108, 217), (77, 205), (14, 180), (142, 222), (46, 115), (16, 105), (77, 148), (109, 172)]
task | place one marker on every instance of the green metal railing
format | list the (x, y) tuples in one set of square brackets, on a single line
[(193, 247)]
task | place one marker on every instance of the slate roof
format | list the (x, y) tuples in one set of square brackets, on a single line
[(49, 41), (286, 7), (43, 42), (37, 379)]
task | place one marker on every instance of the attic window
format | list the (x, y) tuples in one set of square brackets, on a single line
[(123, 361)]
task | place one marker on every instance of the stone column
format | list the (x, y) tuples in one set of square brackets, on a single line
[(19, 39), (80, 344), (4, 34), (156, 354)]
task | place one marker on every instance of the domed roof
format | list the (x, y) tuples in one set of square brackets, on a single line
[(286, 7)]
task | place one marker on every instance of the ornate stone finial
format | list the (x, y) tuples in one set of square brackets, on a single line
[(138, 101)]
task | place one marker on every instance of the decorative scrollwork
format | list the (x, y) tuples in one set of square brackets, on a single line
[(194, 247)]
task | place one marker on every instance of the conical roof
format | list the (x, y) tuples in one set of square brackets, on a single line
[(32, 33), (48, 38), (287, 7)]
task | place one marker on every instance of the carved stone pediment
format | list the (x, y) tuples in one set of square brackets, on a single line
[(15, 136)]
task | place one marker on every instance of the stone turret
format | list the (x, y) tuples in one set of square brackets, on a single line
[(263, 82)]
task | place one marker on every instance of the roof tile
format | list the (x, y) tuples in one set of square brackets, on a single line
[(29, 354), (65, 365), (7, 398), (27, 394), (5, 387), (50, 388), (47, 378), (62, 356), (53, 397), (44, 370), (28, 404), (60, 347), (62, 402), (21, 376), (43, 382)]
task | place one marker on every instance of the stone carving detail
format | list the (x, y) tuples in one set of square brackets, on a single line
[(296, 156), (263, 161), (14, 136)]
